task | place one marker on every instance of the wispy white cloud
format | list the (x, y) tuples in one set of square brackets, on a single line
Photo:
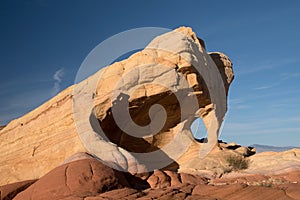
[(21, 103), (243, 107), (236, 100), (57, 77), (256, 69), (286, 76), (267, 65), (265, 87), (266, 126), (238, 104)]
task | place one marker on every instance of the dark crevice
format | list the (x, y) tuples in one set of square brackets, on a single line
[(66, 178), (18, 190)]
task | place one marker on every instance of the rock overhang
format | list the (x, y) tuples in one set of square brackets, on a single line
[(45, 137)]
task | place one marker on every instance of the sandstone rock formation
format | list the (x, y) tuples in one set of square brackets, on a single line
[(216, 163), (81, 145), (173, 71), (2, 127), (9, 191), (89, 179), (39, 141), (274, 162)]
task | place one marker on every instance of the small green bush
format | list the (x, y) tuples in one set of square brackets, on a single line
[(237, 162), (265, 184)]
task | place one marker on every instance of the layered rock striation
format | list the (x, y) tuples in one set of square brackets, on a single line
[(125, 133), (173, 71)]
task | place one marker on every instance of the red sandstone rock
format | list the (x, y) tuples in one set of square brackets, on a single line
[(81, 178), (106, 184), (11, 190), (159, 179), (192, 179)]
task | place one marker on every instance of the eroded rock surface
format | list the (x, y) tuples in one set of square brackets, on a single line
[(42, 139), (81, 178), (2, 127), (275, 162), (89, 179), (54, 152)]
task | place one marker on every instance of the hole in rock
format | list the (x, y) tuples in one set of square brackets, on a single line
[(199, 130), (139, 112)]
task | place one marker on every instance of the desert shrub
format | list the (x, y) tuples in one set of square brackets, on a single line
[(237, 162), (265, 184)]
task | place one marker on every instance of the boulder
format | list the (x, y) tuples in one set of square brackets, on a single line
[(81, 178), (9, 191)]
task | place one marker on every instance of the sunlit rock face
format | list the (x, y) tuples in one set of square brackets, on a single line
[(134, 115), (145, 104), (151, 92)]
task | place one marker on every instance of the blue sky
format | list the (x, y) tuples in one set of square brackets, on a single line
[(43, 43)]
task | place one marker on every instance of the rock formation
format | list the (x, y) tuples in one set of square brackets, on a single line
[(2, 127), (166, 72), (275, 163), (88, 179), (124, 133)]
